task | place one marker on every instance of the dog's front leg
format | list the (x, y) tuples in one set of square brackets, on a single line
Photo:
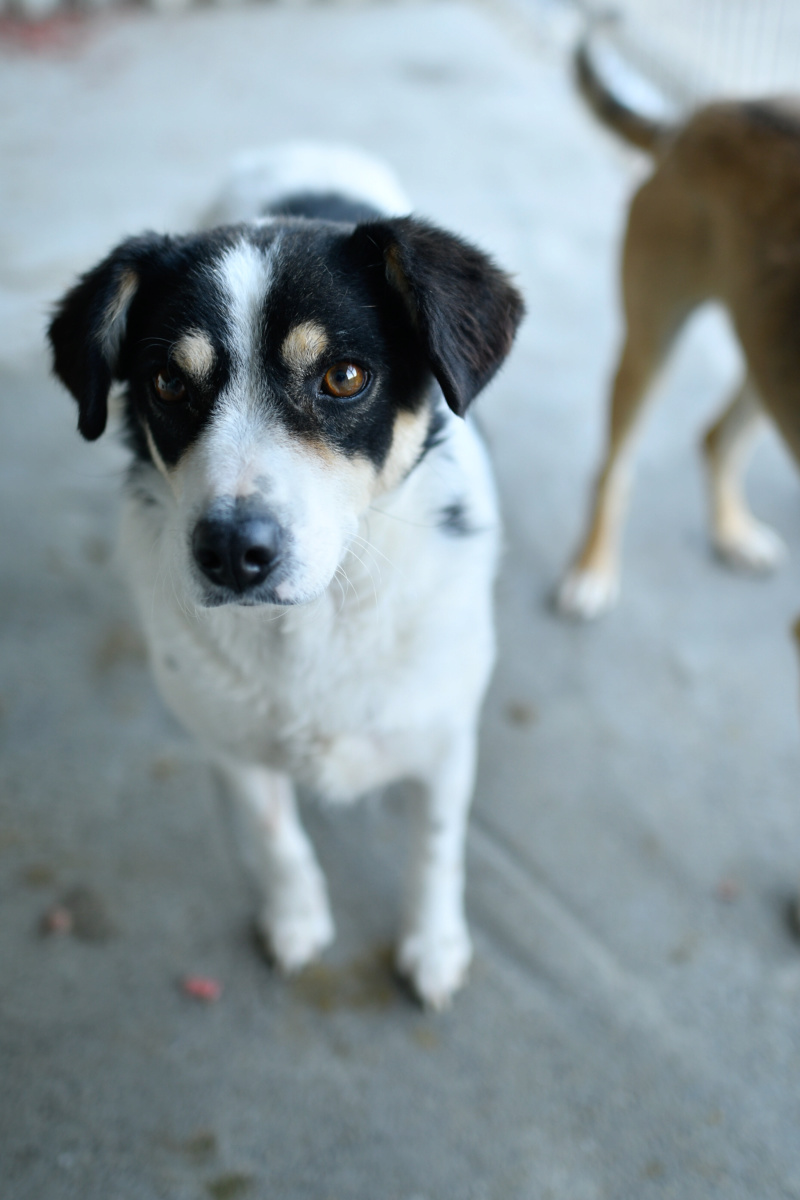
[(295, 918), (435, 948)]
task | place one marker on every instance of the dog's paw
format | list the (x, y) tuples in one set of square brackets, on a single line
[(586, 594), (435, 965), (298, 928), (752, 546)]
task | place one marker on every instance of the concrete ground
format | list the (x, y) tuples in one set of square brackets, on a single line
[(631, 1029)]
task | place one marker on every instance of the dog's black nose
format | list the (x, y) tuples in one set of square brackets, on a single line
[(237, 549)]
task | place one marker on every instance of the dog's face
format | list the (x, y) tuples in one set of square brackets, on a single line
[(279, 377)]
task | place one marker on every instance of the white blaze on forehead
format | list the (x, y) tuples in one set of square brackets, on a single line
[(303, 345), (245, 273), (194, 353), (229, 452)]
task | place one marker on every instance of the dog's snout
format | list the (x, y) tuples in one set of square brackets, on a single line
[(238, 549)]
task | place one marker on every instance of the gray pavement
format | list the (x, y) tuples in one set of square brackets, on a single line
[(632, 1025)]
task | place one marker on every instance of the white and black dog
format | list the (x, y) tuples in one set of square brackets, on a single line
[(310, 528)]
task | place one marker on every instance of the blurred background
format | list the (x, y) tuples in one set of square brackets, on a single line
[(632, 1024)]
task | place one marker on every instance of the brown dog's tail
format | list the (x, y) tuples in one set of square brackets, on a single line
[(636, 128)]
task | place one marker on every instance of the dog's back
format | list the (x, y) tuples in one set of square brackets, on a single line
[(306, 179)]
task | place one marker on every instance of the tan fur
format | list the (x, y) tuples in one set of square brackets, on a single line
[(161, 466), (194, 354), (408, 438), (303, 345), (358, 475), (113, 326), (719, 219)]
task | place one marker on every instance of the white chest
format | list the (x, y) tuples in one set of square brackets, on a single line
[(352, 690)]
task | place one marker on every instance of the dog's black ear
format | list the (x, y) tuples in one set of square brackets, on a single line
[(464, 308), (88, 329)]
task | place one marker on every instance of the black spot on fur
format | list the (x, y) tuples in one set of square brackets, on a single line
[(454, 520)]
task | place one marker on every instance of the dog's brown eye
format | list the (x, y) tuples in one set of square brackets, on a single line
[(344, 379), (169, 388)]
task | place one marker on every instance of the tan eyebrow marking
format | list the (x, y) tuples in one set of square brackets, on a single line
[(194, 353), (303, 345)]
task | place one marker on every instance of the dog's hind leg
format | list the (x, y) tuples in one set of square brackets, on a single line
[(435, 949), (295, 920), (738, 538), (664, 268), (591, 586)]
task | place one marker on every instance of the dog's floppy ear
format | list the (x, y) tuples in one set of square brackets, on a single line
[(464, 308), (88, 329)]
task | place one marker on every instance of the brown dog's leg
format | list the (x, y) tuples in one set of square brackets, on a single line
[(737, 536), (664, 278), (591, 585)]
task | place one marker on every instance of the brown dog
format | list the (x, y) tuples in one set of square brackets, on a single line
[(719, 219)]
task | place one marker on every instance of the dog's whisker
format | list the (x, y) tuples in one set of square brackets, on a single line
[(371, 548), (370, 576), (402, 520), (368, 545), (365, 564), (341, 572)]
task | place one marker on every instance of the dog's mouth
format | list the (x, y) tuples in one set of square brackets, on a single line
[(223, 598), (248, 590)]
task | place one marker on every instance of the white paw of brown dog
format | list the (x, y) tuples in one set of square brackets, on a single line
[(587, 594)]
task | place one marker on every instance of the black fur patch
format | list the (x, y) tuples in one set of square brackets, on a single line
[(318, 279), (465, 309), (402, 300), (454, 520)]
